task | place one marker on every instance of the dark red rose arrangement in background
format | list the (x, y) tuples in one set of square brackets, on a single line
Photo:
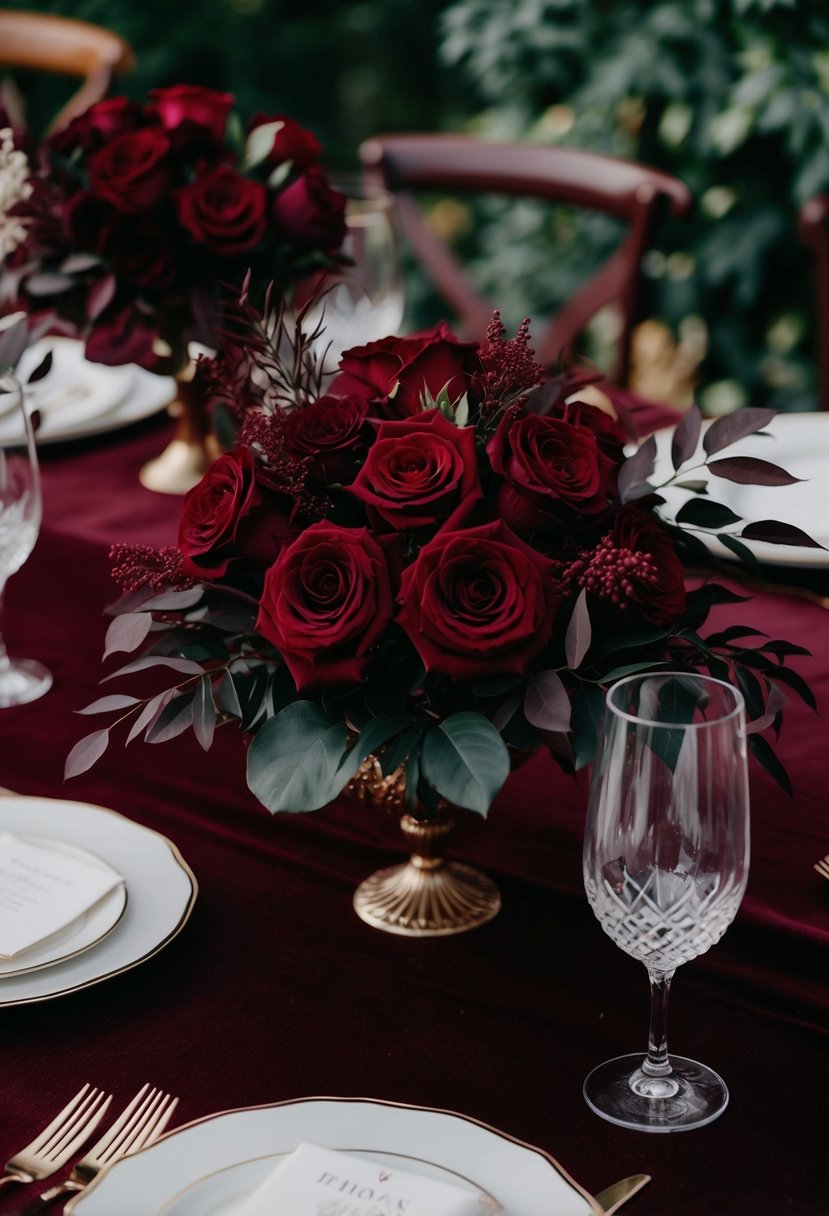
[(141, 212), (439, 558)]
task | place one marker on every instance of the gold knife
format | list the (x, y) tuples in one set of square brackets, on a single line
[(612, 1197)]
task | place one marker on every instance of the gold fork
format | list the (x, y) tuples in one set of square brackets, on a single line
[(822, 866), (140, 1125), (60, 1140)]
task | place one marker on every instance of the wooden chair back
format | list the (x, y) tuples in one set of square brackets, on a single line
[(42, 42), (410, 164)]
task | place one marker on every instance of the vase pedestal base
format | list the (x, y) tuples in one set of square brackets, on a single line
[(432, 901)]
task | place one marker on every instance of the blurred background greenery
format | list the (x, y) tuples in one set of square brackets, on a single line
[(732, 96)]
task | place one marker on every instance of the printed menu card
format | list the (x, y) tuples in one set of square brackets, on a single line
[(44, 889), (315, 1181)]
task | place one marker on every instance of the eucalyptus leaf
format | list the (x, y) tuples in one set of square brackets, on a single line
[(105, 705), (185, 666), (546, 703), (175, 718), (579, 632), (204, 713), (294, 761), (150, 713), (127, 632), (85, 752), (465, 760)]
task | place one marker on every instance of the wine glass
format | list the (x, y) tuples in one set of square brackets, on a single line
[(666, 855), (363, 301), (21, 680)]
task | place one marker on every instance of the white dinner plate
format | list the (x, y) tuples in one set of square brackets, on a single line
[(82, 933), (798, 442), (77, 399), (162, 891), (212, 1165)]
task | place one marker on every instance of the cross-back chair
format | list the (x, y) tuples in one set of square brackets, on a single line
[(43, 42), (408, 165)]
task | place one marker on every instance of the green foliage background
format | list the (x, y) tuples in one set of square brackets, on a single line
[(732, 96)]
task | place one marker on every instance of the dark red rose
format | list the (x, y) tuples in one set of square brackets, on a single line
[(140, 251), (230, 517), (310, 211), (327, 600), (419, 472), (122, 337), (332, 434), (291, 143), (634, 572), (88, 221), (478, 602), (131, 170), (190, 103), (609, 434), (223, 210), (99, 124), (393, 375), (554, 475)]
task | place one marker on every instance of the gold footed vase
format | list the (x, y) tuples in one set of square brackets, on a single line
[(427, 896), (184, 461)]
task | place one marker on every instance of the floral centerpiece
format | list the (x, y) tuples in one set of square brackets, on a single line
[(125, 224), (428, 570)]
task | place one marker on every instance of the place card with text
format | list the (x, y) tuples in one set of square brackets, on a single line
[(44, 889), (316, 1181)]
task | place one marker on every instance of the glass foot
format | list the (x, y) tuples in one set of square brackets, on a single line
[(690, 1096), (23, 680)]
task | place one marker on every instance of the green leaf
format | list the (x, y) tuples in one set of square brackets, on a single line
[(763, 752), (702, 513), (399, 749), (295, 758), (466, 761), (587, 702), (377, 732), (739, 550)]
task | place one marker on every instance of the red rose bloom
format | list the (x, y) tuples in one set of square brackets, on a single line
[(478, 602), (99, 124), (131, 170), (88, 220), (223, 210), (310, 212), (331, 434), (122, 337), (554, 474), (419, 472), (191, 103), (392, 375), (327, 600), (291, 143), (213, 511)]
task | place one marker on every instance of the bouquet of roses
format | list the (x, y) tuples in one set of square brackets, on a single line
[(124, 225), (441, 562)]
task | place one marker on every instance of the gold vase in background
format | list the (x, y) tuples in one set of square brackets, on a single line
[(427, 896), (185, 459)]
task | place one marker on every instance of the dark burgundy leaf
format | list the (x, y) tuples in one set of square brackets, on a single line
[(686, 437), (43, 368), (705, 514), (749, 471), (735, 426), (636, 469), (738, 549), (775, 533)]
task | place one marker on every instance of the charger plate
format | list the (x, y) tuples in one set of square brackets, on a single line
[(213, 1165), (162, 891), (798, 442)]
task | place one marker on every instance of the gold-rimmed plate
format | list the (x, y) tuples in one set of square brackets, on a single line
[(162, 891), (218, 1160), (84, 932)]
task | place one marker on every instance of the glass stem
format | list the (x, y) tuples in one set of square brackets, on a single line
[(656, 1063)]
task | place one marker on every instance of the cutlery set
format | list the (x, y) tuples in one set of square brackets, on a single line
[(140, 1125)]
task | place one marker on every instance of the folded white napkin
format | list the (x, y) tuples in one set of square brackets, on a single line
[(316, 1181), (44, 889)]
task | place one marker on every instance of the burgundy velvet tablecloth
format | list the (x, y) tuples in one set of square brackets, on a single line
[(276, 990)]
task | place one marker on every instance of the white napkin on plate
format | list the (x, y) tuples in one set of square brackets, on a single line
[(44, 889), (316, 1181)]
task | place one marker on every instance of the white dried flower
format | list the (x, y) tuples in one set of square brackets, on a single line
[(15, 187)]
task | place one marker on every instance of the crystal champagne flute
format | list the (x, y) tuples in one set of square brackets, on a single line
[(666, 854), (364, 300), (21, 680)]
